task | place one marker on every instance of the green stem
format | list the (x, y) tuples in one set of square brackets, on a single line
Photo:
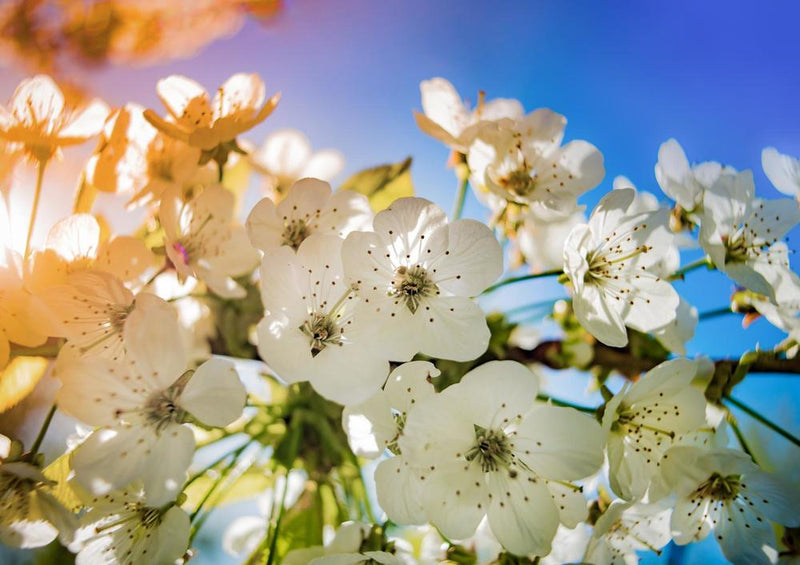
[(495, 286), (740, 437), (531, 306), (680, 273), (274, 543), (222, 476), (565, 404), (363, 487), (768, 423), (36, 196), (458, 208), (214, 463), (46, 424), (50, 349), (715, 313)]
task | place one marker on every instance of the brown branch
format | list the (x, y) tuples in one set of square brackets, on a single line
[(550, 354)]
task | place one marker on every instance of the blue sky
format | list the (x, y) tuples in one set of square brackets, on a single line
[(722, 78)]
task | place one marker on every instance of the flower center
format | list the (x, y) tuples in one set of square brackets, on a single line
[(322, 332), (492, 449), (718, 487), (400, 423), (294, 233), (412, 285), (736, 249), (182, 251), (519, 183), (162, 409)]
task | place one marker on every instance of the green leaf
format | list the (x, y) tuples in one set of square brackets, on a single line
[(19, 379), (64, 491), (250, 484), (302, 524), (383, 184), (237, 179)]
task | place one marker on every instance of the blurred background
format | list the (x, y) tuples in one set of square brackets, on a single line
[(719, 77)]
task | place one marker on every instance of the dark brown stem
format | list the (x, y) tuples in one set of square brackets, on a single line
[(550, 354)]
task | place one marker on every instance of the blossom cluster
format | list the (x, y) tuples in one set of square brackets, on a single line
[(373, 344)]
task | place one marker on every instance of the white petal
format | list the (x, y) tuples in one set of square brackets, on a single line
[(774, 497), (522, 514), (474, 261), (399, 491), (214, 395), (88, 123), (559, 443), (324, 165), (455, 498), (99, 391), (407, 222), (442, 104), (743, 538), (349, 374), (153, 339), (571, 503), (453, 328), (598, 317), (495, 393), (75, 237), (409, 384), (171, 537), (782, 170), (369, 426)]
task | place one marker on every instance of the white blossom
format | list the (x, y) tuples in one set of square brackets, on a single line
[(783, 171), (123, 527), (30, 516), (448, 119), (203, 240), (286, 157), (140, 404), (310, 331), (541, 237), (95, 312), (682, 182), (377, 424), (206, 124), (344, 549), (625, 528), (137, 158), (643, 420), (38, 119), (481, 447), (415, 275), (742, 234), (611, 262), (523, 162), (724, 491), (21, 314), (309, 207)]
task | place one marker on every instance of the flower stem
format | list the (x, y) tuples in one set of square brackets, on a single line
[(214, 463), (715, 313), (36, 195), (495, 286), (531, 306), (458, 208), (768, 423), (363, 488), (681, 273), (222, 476), (274, 542), (37, 443), (565, 404), (740, 437)]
